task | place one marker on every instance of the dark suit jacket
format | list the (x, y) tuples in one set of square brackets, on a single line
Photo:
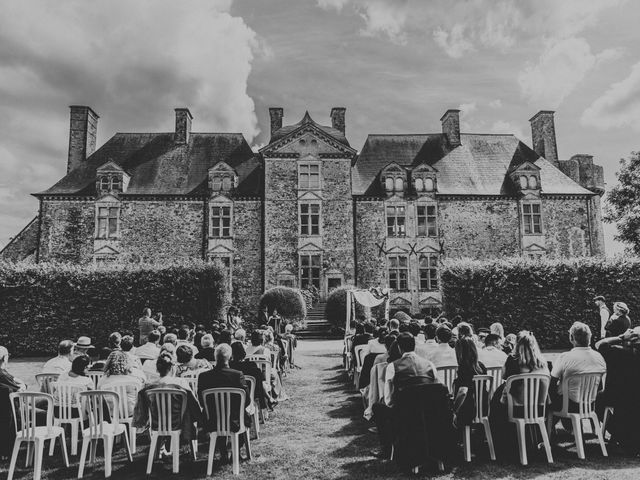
[(250, 369), (208, 353), (221, 376)]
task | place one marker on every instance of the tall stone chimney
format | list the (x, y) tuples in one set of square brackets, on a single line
[(183, 126), (451, 127), (337, 118), (543, 135), (276, 114), (82, 135)]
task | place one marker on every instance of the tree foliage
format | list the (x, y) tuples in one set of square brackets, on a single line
[(622, 205), (335, 310), (288, 301)]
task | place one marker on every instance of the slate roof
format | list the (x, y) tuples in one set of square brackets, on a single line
[(287, 129), (478, 167), (159, 166)]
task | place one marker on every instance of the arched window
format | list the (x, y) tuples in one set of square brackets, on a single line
[(388, 184), (523, 182), (533, 182), (399, 185), (226, 184), (104, 183), (419, 185), (116, 184), (428, 185)]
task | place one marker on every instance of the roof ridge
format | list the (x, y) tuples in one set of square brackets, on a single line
[(490, 134), (401, 134), (171, 133)]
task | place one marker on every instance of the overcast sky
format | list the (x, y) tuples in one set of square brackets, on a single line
[(396, 65)]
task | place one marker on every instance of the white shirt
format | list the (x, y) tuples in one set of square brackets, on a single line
[(576, 360), (389, 376), (443, 356), (57, 365), (374, 346), (425, 349), (604, 318), (492, 357), (149, 350)]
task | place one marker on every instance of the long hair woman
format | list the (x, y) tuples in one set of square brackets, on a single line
[(464, 390)]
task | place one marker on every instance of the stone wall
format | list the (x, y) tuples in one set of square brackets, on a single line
[(565, 223), (370, 224), (67, 231)]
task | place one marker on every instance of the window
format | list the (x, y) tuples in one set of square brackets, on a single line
[(310, 271), (523, 182), (216, 184), (399, 184), (309, 176), (104, 183), (428, 185), (426, 215), (108, 222), (226, 184), (396, 221), (221, 221), (428, 269), (398, 272), (116, 184), (388, 184), (111, 183), (309, 219), (531, 218), (419, 183), (533, 182)]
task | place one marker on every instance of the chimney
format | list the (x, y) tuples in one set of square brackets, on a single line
[(451, 127), (82, 135), (337, 118), (276, 114), (543, 135), (183, 125)]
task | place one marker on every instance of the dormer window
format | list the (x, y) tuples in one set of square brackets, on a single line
[(111, 178), (393, 178), (111, 183), (526, 178), (424, 179), (222, 178)]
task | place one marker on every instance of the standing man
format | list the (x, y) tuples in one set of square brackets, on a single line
[(605, 313), (147, 324)]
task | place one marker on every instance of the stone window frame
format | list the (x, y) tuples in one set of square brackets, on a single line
[(105, 220), (394, 229), (424, 174), (394, 272), (309, 203), (110, 183), (426, 217), (396, 174), (308, 164), (432, 282), (213, 206), (218, 175), (529, 218), (226, 260), (301, 276)]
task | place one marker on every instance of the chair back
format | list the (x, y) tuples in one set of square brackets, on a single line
[(44, 381), (274, 360), (94, 405), (95, 376), (587, 385), (251, 381), (222, 401), (483, 386), (359, 353), (496, 374), (67, 395), (447, 376), (535, 387), (23, 406), (378, 372), (192, 377), (264, 365), (122, 390), (161, 402)]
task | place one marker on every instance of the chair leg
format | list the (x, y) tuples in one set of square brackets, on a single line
[(27, 462), (133, 431), (545, 441), (93, 451), (598, 430), (235, 453), (63, 444), (194, 449), (175, 451), (522, 442), (75, 426), (466, 442), (14, 458), (39, 449), (577, 433), (83, 455), (487, 433), (440, 466), (52, 446), (248, 445), (213, 437), (605, 421), (152, 451), (127, 445), (107, 441)]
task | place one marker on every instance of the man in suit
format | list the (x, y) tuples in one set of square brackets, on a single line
[(250, 369)]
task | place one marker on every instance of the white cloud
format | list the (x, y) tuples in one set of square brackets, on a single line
[(502, 126), (337, 5), (453, 42), (495, 104), (385, 17), (618, 107), (560, 68)]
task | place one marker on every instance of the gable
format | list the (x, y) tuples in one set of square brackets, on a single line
[(308, 139), (110, 167), (106, 250), (220, 250), (399, 301), (310, 248), (430, 302)]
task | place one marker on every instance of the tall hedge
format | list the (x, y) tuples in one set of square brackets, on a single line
[(42, 304), (545, 297), (288, 301), (335, 310)]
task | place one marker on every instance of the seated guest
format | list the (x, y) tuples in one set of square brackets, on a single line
[(256, 347), (208, 351), (415, 330), (464, 329), (118, 371), (166, 372), (77, 377), (240, 336), (509, 343), (580, 359), (200, 332), (492, 355), (389, 356), (360, 338), (127, 347), (61, 363), (183, 338), (376, 345), (443, 355), (171, 338), (374, 349), (151, 349), (103, 354), (150, 367), (186, 362), (114, 341), (497, 329), (249, 369), (430, 345), (394, 326), (225, 337), (464, 389), (293, 342), (14, 384), (619, 322), (408, 371), (83, 346)]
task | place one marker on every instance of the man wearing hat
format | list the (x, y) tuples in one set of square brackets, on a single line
[(82, 347), (619, 322), (605, 313)]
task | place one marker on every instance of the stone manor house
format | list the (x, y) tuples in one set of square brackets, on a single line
[(309, 209)]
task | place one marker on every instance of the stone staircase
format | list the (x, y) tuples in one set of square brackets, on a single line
[(317, 326)]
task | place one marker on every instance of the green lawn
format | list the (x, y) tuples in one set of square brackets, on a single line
[(320, 433)]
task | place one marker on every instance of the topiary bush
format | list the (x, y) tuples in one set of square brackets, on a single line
[(402, 317), (335, 310), (545, 297), (289, 303), (41, 304)]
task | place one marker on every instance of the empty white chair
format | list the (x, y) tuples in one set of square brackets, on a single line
[(44, 381), (122, 389), (67, 396), (587, 385), (24, 416), (535, 388), (447, 376), (94, 406), (222, 399), (482, 386)]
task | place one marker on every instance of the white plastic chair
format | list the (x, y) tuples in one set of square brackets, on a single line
[(94, 404), (222, 400), (482, 386), (67, 395), (348, 341), (256, 407), (24, 416), (161, 401), (358, 353), (376, 388), (608, 412), (122, 390), (45, 380), (285, 345), (265, 366), (95, 376), (496, 374), (447, 376), (587, 384), (535, 388), (192, 378)]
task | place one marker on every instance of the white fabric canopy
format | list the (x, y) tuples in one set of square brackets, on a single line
[(363, 297)]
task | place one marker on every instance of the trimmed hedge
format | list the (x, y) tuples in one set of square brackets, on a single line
[(545, 297), (42, 304), (335, 310), (288, 301)]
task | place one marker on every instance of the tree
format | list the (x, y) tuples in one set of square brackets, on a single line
[(623, 203), (288, 302)]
